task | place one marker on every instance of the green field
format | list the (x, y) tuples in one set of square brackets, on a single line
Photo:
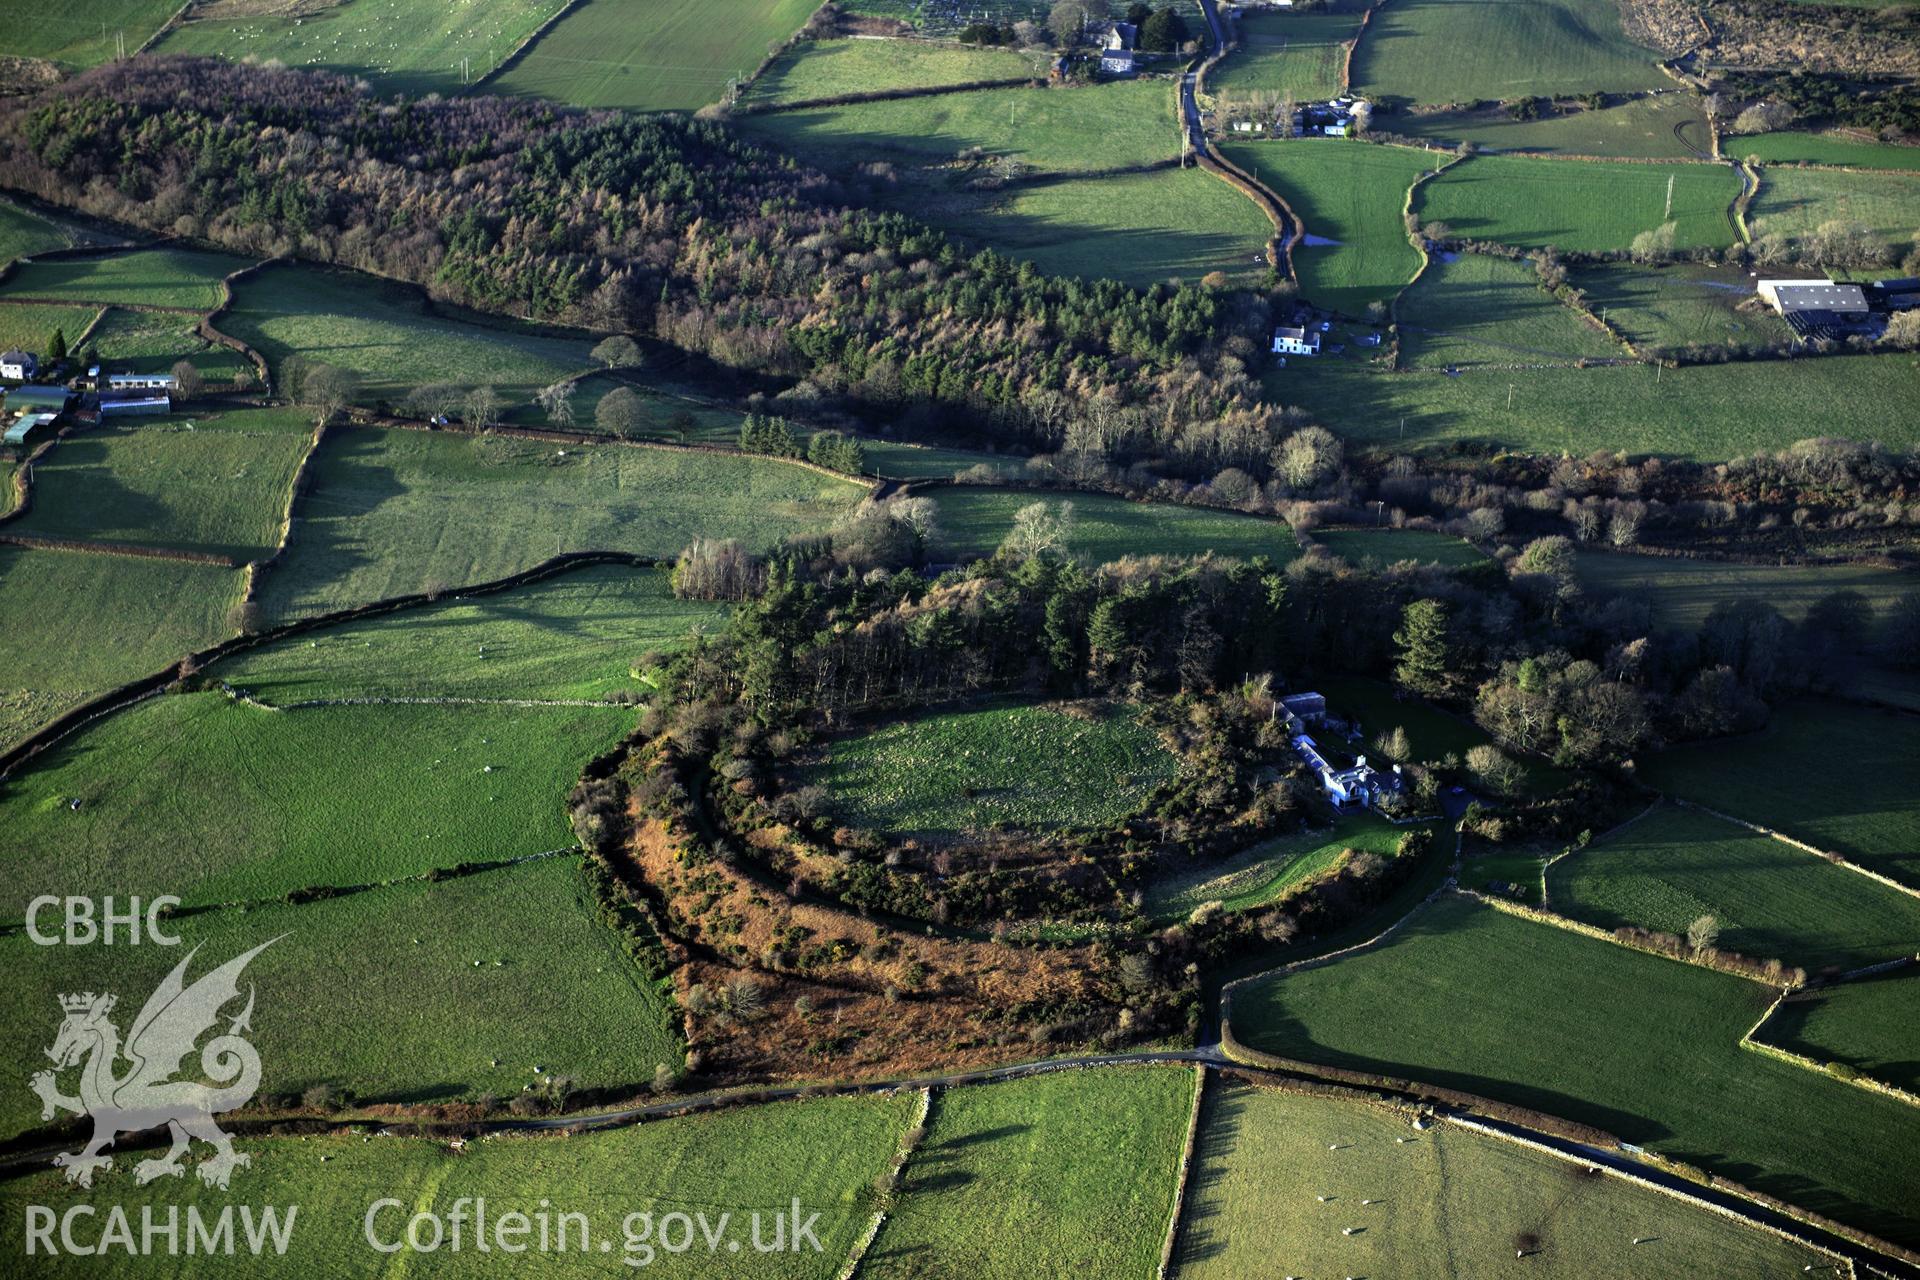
[(1064, 1174), (22, 231), (578, 635), (28, 326), (377, 993), (393, 512), (1391, 546), (1710, 412), (214, 484), (1681, 592), (663, 398), (80, 33), (1820, 148), (1078, 130), (392, 337), (401, 46), (1870, 1024), (1299, 54), (740, 1162), (1643, 1047), (136, 616), (151, 342), (1843, 761), (1586, 206), (1663, 126), (816, 69), (185, 278), (1350, 194), (214, 801), (1772, 901), (1796, 202), (1267, 871), (652, 55), (1482, 310), (1025, 767), (1456, 51), (973, 523), (1679, 305), (1281, 1175), (903, 461)]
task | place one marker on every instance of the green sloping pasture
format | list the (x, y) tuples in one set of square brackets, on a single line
[(1585, 206), (394, 512), (741, 1161), (973, 523), (1461, 51), (1772, 901), (652, 55), (215, 484), (152, 342), (214, 801), (1483, 310), (1391, 546), (1679, 305), (1797, 202), (29, 326), (1279, 1176), (22, 231), (1085, 129), (1821, 148), (1269, 870), (78, 625), (1681, 593), (577, 635), (1026, 767), (391, 337), (1349, 193), (662, 399), (1065, 1174), (1646, 1048), (377, 993), (80, 33), (1870, 1024), (1300, 54), (1846, 764), (904, 461), (1657, 126), (143, 277), (401, 46), (815, 69), (1707, 412)]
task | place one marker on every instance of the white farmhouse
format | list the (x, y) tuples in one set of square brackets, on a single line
[(1290, 340)]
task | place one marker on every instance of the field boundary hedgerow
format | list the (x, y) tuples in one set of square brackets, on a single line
[(1858, 1079), (139, 551), (163, 29), (1353, 45), (1548, 864), (880, 95), (1183, 1172), (1288, 229), (910, 1139), (250, 584), (1838, 860), (1419, 243), (209, 328), (520, 50)]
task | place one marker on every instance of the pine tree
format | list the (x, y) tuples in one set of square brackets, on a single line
[(57, 346), (1422, 639)]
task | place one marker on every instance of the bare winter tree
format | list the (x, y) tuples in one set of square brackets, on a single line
[(556, 401), (1038, 530), (186, 379), (1703, 932), (479, 406)]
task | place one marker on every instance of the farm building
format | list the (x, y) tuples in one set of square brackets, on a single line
[(1292, 340), (1819, 308), (135, 405), (1895, 295), (1361, 785), (18, 365), (18, 430), (38, 399), (1116, 53), (1309, 707), (139, 382)]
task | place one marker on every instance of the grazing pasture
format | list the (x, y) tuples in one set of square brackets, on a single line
[(1843, 760), (652, 55), (815, 69), (1482, 310), (1771, 900), (186, 278), (1680, 593), (136, 616), (1064, 1174), (214, 801), (1821, 148), (1587, 206), (1391, 546), (1271, 869), (1019, 766), (152, 342), (29, 326), (392, 337), (662, 401), (1870, 1024), (578, 635), (1298, 54), (1458, 51), (1279, 1176), (1644, 1047), (1661, 126), (80, 33), (973, 523), (393, 512), (901, 460), (23, 231), (215, 484), (378, 993), (739, 1162), (1680, 305), (1798, 202), (1349, 195), (1708, 412)]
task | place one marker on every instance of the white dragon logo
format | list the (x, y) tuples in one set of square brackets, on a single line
[(146, 1096)]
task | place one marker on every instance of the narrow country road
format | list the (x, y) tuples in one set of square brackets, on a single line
[(1189, 108)]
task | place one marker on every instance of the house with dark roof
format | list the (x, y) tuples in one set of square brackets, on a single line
[(18, 366)]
